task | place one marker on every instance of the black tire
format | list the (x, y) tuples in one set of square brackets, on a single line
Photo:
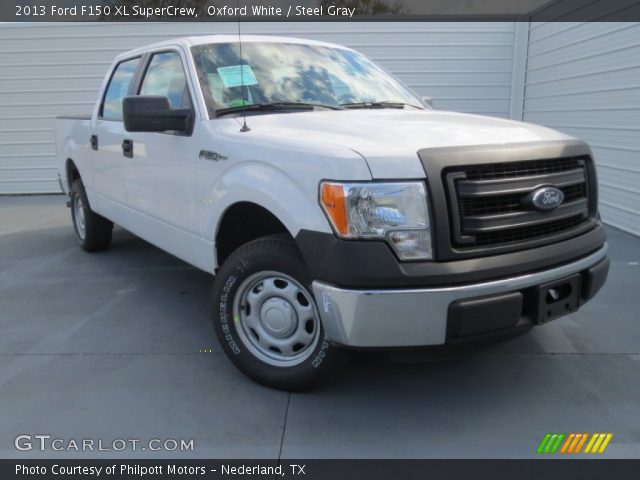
[(276, 254), (97, 229)]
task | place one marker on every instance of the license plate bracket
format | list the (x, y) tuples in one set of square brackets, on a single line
[(558, 298)]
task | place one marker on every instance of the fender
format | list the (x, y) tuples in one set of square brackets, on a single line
[(68, 153), (73, 150), (252, 181)]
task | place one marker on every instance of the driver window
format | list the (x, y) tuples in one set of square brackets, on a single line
[(165, 77)]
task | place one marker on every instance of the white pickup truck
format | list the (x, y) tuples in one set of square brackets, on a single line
[(335, 208)]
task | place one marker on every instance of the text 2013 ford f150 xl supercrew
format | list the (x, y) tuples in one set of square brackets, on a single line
[(335, 208)]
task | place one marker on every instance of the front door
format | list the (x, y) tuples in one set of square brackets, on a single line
[(161, 174)]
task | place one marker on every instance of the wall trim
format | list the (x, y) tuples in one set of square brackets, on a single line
[(519, 69)]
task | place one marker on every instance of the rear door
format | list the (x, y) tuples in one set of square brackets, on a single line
[(107, 134)]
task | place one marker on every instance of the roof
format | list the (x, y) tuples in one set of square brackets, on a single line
[(188, 42)]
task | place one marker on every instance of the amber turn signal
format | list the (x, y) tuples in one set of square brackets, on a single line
[(333, 201)]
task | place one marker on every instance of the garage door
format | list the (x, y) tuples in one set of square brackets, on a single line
[(584, 79), (56, 69)]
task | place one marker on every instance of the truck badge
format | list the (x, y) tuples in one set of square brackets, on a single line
[(209, 155), (547, 198)]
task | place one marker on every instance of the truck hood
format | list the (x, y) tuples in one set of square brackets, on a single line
[(389, 139)]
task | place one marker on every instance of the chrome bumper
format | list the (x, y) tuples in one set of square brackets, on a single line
[(415, 317)]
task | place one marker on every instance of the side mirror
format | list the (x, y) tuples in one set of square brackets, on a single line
[(154, 114), (428, 101)]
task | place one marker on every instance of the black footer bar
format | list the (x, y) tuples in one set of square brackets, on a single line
[(557, 468)]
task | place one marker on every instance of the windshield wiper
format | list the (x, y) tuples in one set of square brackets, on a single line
[(274, 106), (386, 104)]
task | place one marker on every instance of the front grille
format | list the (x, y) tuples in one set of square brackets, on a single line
[(489, 203)]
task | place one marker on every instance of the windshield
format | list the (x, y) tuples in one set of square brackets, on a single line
[(288, 73)]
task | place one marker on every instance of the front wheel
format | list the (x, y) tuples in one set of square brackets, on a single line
[(266, 318)]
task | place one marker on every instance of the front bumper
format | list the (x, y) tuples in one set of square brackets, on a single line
[(421, 317)]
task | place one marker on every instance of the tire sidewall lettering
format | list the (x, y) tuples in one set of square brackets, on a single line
[(321, 355), (225, 316)]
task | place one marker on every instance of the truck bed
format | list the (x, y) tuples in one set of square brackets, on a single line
[(74, 117)]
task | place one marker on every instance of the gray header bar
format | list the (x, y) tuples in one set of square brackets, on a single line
[(320, 10)]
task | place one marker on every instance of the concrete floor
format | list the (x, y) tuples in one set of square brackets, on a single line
[(108, 346)]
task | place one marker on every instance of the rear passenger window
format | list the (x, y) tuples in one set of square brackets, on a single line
[(118, 89), (165, 77)]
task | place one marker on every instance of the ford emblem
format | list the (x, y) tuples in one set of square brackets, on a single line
[(547, 198)]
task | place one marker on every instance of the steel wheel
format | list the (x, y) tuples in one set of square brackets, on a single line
[(276, 318), (78, 216)]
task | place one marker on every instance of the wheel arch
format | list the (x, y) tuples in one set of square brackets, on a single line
[(241, 223), (72, 172), (265, 192)]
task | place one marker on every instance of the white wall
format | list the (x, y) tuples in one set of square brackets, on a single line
[(581, 78), (53, 69), (584, 79)]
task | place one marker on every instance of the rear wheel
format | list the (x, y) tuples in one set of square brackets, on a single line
[(93, 231), (266, 318)]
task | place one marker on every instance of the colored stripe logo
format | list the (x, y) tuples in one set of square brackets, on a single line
[(574, 443)]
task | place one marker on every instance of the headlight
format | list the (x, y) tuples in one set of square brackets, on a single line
[(396, 212)]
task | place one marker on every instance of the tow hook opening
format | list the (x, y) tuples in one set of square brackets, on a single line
[(558, 298), (559, 293)]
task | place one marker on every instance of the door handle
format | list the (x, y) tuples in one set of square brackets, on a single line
[(127, 148), (94, 142)]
